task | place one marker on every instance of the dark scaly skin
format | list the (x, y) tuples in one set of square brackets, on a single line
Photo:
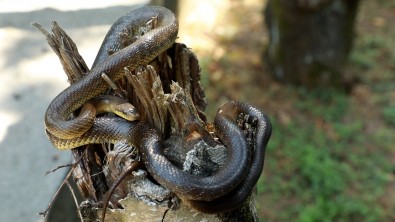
[(149, 142), (114, 104), (223, 191), (142, 51), (239, 195), (226, 189)]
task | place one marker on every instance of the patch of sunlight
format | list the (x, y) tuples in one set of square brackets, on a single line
[(199, 19), (29, 68), (16, 6), (7, 119), (88, 43), (33, 69), (204, 10)]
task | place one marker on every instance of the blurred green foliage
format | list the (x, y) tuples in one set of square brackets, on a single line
[(331, 155), (323, 167)]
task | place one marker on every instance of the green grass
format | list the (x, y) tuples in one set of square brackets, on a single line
[(366, 51), (331, 154), (326, 171), (389, 115), (334, 160)]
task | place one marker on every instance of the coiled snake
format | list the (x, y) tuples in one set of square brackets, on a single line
[(226, 189)]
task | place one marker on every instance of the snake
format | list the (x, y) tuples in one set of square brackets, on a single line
[(139, 53), (226, 188), (239, 195)]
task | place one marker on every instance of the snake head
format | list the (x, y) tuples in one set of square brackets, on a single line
[(127, 111)]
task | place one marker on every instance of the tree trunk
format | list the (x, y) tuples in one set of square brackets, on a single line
[(310, 40)]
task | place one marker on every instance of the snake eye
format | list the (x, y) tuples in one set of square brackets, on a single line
[(127, 111)]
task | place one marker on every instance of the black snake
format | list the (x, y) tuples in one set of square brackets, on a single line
[(226, 189)]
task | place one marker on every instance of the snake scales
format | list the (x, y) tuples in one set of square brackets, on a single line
[(226, 189)]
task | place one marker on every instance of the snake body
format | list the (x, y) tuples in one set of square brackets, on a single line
[(225, 189), (149, 142), (263, 132), (142, 51)]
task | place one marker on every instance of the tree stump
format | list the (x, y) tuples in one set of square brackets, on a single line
[(168, 94)]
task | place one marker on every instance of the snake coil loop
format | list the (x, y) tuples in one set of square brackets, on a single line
[(226, 189)]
